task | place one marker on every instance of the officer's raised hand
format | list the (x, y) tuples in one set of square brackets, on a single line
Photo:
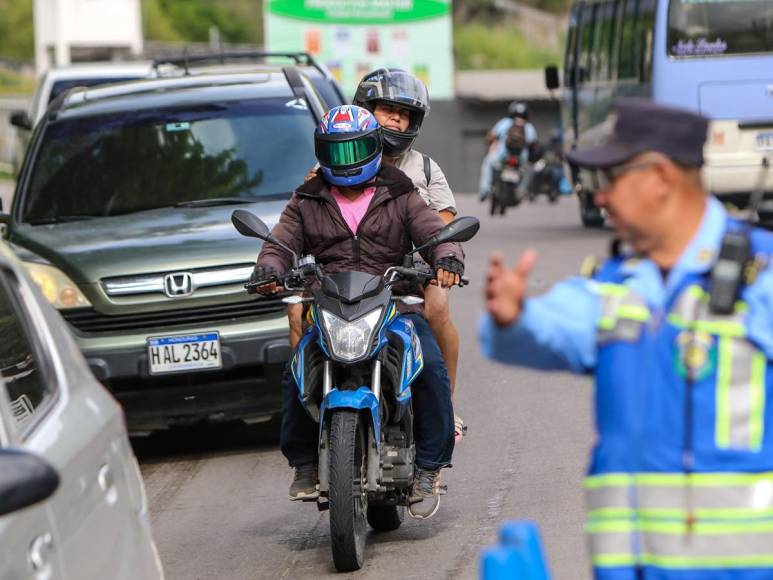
[(506, 287)]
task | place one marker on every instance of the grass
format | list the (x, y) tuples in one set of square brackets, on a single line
[(485, 47), (14, 83)]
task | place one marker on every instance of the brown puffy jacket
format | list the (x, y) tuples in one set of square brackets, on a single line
[(396, 220)]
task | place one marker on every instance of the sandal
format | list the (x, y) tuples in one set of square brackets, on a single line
[(460, 429)]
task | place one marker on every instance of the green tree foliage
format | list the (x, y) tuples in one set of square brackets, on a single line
[(191, 19), (501, 47), (16, 32)]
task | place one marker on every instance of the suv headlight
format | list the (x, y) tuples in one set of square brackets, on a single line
[(350, 340), (58, 289)]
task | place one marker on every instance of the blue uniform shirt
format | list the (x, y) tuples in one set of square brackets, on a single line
[(557, 331)]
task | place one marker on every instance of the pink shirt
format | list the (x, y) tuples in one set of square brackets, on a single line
[(353, 211)]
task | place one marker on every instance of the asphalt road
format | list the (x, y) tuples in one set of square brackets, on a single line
[(218, 496)]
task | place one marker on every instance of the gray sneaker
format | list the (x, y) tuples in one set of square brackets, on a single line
[(304, 485), (425, 493)]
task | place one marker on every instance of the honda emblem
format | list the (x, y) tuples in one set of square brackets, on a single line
[(178, 284)]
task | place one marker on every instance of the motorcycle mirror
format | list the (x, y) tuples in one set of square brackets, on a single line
[(460, 230), (250, 225)]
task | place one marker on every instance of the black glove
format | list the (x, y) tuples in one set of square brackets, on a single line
[(449, 264), (260, 274)]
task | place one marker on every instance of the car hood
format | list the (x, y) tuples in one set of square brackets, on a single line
[(147, 242)]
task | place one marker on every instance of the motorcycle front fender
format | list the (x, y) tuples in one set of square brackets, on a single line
[(362, 399)]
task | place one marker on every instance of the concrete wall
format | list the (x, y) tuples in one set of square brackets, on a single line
[(453, 135), (8, 131)]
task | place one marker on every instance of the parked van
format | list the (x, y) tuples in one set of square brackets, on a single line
[(707, 56)]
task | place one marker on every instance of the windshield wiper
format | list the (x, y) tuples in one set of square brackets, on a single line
[(214, 201), (59, 219)]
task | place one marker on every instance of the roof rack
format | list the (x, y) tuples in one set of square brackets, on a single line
[(186, 60)]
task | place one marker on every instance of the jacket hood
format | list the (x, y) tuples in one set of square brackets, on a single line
[(389, 177)]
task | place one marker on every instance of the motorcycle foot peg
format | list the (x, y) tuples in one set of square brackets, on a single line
[(323, 505)]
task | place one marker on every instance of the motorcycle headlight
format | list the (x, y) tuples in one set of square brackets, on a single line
[(58, 289), (350, 340)]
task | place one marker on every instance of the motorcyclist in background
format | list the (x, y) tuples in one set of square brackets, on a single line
[(517, 112)]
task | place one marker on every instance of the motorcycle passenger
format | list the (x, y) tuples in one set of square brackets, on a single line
[(360, 214), (400, 101), (517, 112)]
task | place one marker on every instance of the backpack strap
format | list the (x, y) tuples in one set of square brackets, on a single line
[(427, 168)]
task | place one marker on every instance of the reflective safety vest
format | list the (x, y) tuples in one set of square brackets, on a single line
[(681, 481)]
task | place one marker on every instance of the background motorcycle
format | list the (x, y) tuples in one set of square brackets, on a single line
[(507, 176), (354, 367)]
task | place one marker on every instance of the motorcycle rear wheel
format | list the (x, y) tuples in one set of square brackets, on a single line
[(348, 497), (385, 518)]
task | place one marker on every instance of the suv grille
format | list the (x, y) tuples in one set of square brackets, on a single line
[(89, 320)]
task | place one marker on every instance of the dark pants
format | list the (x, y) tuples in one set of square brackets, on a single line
[(433, 416)]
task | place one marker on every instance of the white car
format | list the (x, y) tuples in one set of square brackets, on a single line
[(55, 81), (72, 501)]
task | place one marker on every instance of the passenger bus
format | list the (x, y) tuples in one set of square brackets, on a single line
[(710, 56)]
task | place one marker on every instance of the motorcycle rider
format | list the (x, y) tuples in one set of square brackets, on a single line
[(347, 217), (495, 139), (400, 102)]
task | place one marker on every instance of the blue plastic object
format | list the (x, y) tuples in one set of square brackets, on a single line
[(518, 557)]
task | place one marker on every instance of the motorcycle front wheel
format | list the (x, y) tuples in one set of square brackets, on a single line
[(348, 496)]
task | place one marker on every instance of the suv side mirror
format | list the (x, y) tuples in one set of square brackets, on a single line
[(25, 479), (21, 120), (5, 221), (552, 81)]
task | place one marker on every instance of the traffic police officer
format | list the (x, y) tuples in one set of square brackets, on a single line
[(677, 327)]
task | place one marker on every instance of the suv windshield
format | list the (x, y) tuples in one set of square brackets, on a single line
[(712, 28), (141, 160)]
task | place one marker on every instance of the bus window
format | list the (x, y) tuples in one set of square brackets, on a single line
[(595, 55), (570, 60), (606, 37), (587, 24), (700, 28), (645, 23), (626, 67)]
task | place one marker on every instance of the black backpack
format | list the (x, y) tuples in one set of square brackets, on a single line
[(515, 138)]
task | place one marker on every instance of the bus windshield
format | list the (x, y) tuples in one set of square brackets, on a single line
[(705, 28)]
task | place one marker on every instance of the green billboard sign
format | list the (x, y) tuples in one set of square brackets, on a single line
[(353, 37)]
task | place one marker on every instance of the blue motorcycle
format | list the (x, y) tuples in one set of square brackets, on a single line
[(354, 367)]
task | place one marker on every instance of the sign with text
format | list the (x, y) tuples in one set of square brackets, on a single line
[(353, 37)]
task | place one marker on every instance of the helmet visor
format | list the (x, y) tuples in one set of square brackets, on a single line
[(344, 153), (397, 87)]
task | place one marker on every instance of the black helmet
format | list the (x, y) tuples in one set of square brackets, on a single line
[(397, 87), (518, 109)]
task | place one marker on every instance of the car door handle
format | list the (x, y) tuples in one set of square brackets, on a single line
[(106, 482), (39, 552)]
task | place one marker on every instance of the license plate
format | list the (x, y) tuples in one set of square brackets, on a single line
[(190, 352), (510, 176), (764, 141)]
